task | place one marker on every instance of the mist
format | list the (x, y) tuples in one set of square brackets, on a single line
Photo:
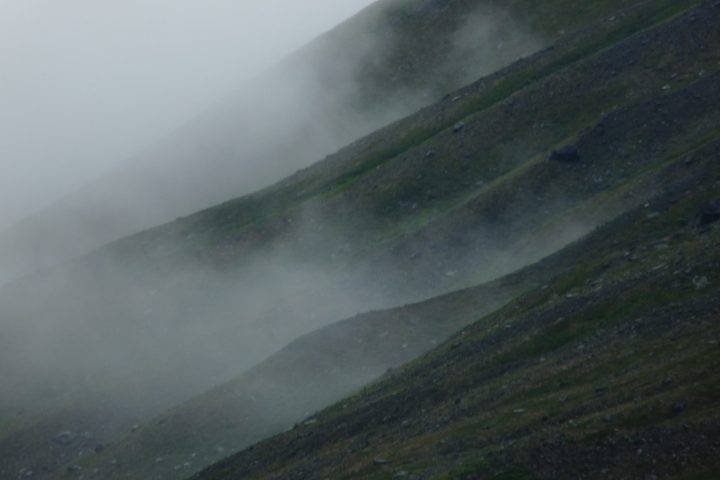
[(86, 85), (143, 123), (195, 135)]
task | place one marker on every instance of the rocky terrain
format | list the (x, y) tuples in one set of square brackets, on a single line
[(559, 212), (607, 371)]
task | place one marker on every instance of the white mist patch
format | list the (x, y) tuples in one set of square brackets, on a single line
[(485, 42)]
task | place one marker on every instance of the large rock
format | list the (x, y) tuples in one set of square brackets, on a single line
[(568, 154), (708, 215)]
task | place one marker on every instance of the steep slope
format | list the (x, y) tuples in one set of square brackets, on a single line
[(308, 374), (393, 183), (424, 206), (189, 430), (673, 123), (608, 371), (379, 66)]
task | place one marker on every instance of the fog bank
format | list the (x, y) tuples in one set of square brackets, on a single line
[(85, 85)]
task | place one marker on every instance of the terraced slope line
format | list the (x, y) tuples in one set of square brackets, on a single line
[(609, 371)]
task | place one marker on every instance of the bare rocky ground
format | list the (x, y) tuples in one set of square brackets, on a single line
[(607, 371)]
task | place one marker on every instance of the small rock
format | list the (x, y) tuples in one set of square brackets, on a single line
[(65, 438), (701, 282), (678, 407), (707, 216), (381, 461), (459, 127), (568, 154)]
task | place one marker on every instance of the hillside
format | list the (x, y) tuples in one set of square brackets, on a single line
[(306, 375), (338, 360), (385, 63), (608, 371), (495, 176)]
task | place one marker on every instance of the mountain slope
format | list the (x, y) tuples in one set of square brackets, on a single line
[(608, 371), (308, 374), (424, 206), (380, 65), (643, 137)]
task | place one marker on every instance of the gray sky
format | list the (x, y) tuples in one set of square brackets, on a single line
[(85, 84)]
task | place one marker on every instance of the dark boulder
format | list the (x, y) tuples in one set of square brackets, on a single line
[(707, 216), (568, 154)]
